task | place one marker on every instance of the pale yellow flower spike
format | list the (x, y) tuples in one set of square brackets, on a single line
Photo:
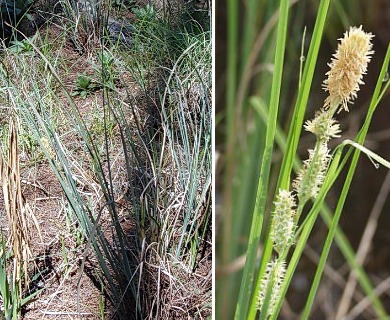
[(347, 68), (274, 275)]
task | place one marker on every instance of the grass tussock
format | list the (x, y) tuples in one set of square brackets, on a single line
[(115, 108)]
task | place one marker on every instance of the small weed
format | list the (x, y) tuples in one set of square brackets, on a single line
[(106, 69), (146, 14), (24, 46), (84, 86)]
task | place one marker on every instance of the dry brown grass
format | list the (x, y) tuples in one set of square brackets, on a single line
[(20, 217)]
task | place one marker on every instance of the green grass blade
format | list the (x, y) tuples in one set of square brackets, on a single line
[(295, 128), (303, 96), (262, 190)]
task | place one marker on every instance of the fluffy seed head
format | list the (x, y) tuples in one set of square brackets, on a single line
[(347, 67), (283, 226), (312, 175), (272, 280), (323, 126)]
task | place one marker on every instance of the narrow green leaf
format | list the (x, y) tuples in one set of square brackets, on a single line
[(262, 189)]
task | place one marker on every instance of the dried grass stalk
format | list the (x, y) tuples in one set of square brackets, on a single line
[(19, 213)]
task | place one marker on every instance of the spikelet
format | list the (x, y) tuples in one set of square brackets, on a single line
[(347, 68), (283, 226), (323, 126), (275, 272), (312, 175)]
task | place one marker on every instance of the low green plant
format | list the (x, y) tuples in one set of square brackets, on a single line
[(84, 86), (106, 69), (22, 46), (146, 14)]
